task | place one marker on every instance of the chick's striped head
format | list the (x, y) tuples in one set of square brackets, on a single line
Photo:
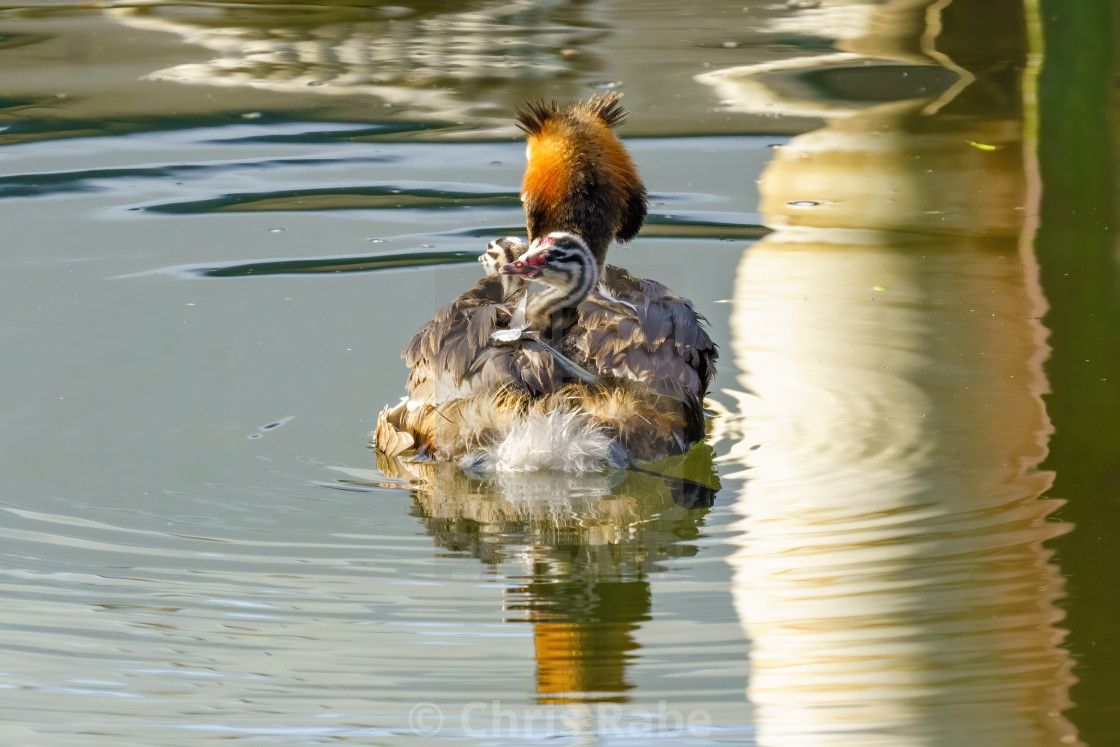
[(501, 252), (561, 259)]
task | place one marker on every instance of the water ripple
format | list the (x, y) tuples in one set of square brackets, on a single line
[(101, 179), (342, 198)]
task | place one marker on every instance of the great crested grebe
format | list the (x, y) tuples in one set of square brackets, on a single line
[(598, 366)]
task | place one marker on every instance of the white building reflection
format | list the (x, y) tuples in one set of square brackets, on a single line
[(425, 57), (891, 572)]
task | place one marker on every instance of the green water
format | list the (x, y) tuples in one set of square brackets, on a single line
[(223, 221)]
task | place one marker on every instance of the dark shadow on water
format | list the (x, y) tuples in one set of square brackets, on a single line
[(1077, 246), (39, 127), (340, 264), (420, 258), (364, 132), (338, 198), (94, 180)]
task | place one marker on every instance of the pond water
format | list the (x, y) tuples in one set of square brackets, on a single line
[(222, 221)]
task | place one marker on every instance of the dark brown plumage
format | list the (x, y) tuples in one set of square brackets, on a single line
[(639, 329), (628, 327), (452, 355)]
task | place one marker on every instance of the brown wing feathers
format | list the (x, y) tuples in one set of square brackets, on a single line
[(650, 334), (644, 331), (453, 355)]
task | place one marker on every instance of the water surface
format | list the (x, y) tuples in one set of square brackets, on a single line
[(223, 221)]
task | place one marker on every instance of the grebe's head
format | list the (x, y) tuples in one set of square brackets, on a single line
[(579, 176), (501, 252), (560, 259)]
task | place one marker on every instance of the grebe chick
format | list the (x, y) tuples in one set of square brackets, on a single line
[(562, 263), (500, 252)]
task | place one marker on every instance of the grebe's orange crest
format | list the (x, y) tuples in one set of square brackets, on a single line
[(533, 115), (579, 177)]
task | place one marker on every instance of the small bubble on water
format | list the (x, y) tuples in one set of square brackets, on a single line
[(396, 11), (730, 44), (804, 203), (276, 230), (377, 241), (426, 246)]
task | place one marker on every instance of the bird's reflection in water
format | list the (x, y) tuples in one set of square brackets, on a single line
[(575, 550)]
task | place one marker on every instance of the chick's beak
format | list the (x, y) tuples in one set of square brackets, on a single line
[(530, 265), (524, 269)]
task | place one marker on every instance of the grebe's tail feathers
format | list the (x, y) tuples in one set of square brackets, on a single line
[(564, 440)]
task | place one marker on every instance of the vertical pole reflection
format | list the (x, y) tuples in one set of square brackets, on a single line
[(891, 572)]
